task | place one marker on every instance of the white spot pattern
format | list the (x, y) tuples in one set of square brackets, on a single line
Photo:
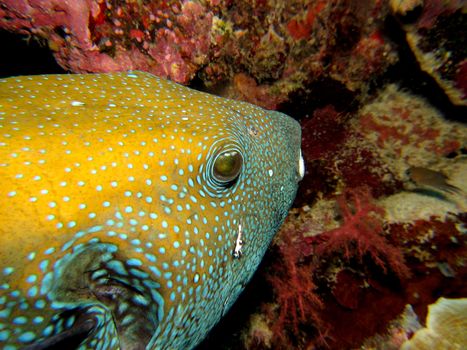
[(121, 164)]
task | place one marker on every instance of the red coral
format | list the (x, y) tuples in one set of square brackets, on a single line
[(298, 305), (360, 233), (301, 29), (440, 239), (348, 289), (336, 153), (360, 166), (324, 133)]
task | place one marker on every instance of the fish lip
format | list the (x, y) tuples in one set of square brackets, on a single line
[(301, 167)]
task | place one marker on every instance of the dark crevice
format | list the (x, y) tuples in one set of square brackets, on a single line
[(409, 76), (23, 55)]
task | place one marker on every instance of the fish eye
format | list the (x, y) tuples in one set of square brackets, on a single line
[(227, 166)]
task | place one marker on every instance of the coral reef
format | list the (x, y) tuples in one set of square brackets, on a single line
[(285, 50), (406, 131), (170, 39), (260, 51), (360, 234), (297, 308), (378, 232), (434, 41), (445, 327), (338, 156), (368, 240), (398, 331)]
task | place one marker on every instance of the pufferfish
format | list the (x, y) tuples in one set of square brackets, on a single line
[(133, 210)]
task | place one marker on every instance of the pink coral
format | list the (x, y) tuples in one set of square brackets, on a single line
[(252, 50), (100, 36)]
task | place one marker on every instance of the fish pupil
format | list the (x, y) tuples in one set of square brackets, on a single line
[(227, 166)]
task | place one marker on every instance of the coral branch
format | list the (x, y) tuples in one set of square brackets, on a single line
[(298, 305), (360, 233)]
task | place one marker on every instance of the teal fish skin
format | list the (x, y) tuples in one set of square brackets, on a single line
[(133, 210)]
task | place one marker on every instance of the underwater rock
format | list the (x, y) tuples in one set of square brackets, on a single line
[(446, 325), (407, 131), (168, 40), (338, 156), (398, 331), (261, 51), (437, 41)]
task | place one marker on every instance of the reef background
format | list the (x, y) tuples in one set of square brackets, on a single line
[(379, 87)]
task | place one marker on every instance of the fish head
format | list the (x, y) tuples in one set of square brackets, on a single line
[(133, 210)]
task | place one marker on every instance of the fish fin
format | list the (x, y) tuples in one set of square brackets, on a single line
[(96, 279), (451, 189), (67, 339)]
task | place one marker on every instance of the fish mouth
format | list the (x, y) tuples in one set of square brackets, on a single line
[(301, 167)]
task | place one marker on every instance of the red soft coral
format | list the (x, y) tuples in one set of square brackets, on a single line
[(360, 233), (298, 306)]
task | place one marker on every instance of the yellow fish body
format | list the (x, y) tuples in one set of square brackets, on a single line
[(133, 210)]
